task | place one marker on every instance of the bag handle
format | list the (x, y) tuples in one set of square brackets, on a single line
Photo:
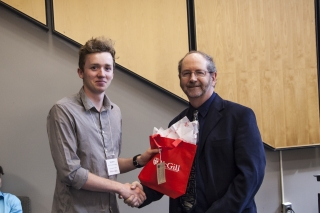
[(174, 143), (155, 142)]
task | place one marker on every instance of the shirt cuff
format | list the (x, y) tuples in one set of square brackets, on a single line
[(80, 178)]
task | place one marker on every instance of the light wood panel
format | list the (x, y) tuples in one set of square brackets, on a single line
[(151, 35), (265, 53), (36, 9)]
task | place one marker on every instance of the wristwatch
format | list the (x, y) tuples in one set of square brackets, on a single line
[(135, 162)]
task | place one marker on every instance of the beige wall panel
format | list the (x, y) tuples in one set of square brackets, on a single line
[(272, 118), (313, 110), (228, 84), (295, 109), (308, 34), (34, 8), (248, 87), (268, 50), (150, 36), (277, 104), (286, 30)]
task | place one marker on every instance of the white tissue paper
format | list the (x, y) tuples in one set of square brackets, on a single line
[(182, 129)]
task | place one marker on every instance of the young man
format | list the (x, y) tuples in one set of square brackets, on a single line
[(230, 158), (8, 203), (84, 133)]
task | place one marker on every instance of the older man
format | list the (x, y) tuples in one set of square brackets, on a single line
[(230, 161)]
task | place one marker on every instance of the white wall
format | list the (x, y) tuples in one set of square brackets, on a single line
[(37, 69)]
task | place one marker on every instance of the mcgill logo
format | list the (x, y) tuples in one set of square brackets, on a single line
[(170, 166)]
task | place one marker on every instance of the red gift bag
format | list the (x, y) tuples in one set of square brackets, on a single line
[(178, 157)]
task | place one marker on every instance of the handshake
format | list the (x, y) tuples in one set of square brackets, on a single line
[(133, 194)]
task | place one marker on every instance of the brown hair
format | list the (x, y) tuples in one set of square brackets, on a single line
[(96, 45)]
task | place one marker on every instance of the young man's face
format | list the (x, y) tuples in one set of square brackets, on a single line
[(97, 73), (0, 180)]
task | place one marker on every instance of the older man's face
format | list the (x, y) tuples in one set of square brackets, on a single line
[(197, 88)]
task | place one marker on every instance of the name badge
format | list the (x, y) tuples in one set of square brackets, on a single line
[(113, 166)]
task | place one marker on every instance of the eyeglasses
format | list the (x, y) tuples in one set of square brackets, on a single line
[(197, 73)]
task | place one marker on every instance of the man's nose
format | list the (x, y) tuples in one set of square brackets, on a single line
[(193, 77), (101, 72)]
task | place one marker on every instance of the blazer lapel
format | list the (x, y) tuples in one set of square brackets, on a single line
[(212, 119)]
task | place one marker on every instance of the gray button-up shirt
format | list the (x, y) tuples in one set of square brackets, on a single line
[(81, 139)]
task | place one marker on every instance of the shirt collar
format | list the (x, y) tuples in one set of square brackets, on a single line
[(204, 108), (1, 194), (87, 103)]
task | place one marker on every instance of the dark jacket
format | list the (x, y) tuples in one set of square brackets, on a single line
[(231, 156)]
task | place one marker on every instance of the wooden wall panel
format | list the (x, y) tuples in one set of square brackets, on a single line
[(35, 9), (151, 35), (265, 53)]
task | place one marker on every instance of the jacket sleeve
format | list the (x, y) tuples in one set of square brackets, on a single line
[(151, 195), (250, 163)]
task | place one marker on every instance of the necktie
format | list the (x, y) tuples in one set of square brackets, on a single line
[(188, 200)]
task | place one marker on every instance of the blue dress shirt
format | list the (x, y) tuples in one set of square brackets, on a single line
[(9, 203)]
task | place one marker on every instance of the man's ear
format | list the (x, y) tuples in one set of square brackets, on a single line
[(80, 73), (214, 79)]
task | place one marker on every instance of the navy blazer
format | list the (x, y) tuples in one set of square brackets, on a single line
[(231, 156)]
